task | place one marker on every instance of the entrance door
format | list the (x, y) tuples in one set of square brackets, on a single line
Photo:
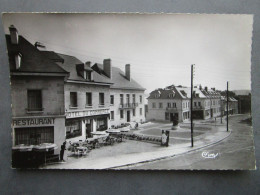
[(171, 117), (88, 130), (211, 112), (128, 116)]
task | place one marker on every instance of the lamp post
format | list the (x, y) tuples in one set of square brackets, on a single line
[(227, 105), (191, 106)]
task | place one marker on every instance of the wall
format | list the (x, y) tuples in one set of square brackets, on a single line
[(52, 94), (137, 118), (81, 90)]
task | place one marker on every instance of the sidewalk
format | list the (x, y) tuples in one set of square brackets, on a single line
[(209, 138)]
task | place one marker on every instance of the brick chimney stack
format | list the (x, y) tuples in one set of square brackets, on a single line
[(14, 35), (127, 72), (107, 67)]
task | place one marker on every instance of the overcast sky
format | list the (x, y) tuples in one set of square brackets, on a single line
[(159, 47)]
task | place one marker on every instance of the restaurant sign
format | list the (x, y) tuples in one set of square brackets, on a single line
[(33, 121), (84, 113)]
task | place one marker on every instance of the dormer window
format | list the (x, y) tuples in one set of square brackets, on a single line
[(87, 75), (171, 95), (18, 58), (157, 95)]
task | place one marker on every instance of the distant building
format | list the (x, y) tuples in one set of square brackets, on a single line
[(213, 101), (174, 102), (232, 105), (37, 92)]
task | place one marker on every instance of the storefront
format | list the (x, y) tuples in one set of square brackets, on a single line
[(80, 124), (38, 129)]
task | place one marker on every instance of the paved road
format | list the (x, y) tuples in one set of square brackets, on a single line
[(235, 152)]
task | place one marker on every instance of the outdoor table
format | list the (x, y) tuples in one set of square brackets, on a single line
[(81, 150), (97, 134), (113, 131)]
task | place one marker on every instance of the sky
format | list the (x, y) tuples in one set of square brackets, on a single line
[(159, 47)]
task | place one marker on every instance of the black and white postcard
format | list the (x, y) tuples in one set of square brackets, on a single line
[(130, 91)]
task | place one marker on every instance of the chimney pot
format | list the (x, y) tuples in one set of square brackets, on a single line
[(13, 34), (107, 67), (127, 72)]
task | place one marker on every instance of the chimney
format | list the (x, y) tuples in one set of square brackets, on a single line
[(206, 89), (14, 35), (107, 67), (214, 89), (127, 72), (200, 87)]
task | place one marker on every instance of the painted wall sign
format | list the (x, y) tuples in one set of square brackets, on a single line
[(33, 121), (83, 113)]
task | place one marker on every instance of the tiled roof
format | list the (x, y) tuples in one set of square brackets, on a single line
[(69, 65), (118, 78), (32, 60)]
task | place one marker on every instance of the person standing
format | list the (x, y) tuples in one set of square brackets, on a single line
[(63, 148)]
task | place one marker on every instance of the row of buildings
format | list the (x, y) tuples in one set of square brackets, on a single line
[(174, 102), (57, 97)]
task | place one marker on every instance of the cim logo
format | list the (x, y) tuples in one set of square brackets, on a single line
[(211, 155)]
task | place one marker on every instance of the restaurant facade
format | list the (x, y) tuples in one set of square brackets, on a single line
[(37, 94)]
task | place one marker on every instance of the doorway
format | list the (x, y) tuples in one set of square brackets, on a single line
[(128, 118)]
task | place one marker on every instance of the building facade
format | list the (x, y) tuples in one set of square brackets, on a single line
[(174, 102), (37, 94), (126, 95)]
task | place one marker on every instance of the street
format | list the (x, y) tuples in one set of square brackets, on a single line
[(235, 152)]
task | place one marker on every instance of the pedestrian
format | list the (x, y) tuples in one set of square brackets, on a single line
[(63, 148), (136, 125)]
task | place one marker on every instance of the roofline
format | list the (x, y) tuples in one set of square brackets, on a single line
[(39, 74), (129, 88), (87, 82)]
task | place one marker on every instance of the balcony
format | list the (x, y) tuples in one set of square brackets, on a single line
[(128, 105), (171, 109), (197, 107)]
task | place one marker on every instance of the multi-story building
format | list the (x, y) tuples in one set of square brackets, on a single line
[(126, 95), (174, 101), (87, 99), (37, 92), (214, 101), (232, 105)]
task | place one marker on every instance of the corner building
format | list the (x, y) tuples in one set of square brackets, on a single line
[(37, 94)]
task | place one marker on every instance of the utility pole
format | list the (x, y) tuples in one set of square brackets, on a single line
[(227, 105), (191, 106)]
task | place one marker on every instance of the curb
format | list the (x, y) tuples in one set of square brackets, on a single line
[(169, 156)]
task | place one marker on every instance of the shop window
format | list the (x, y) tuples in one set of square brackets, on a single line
[(34, 135), (112, 115), (166, 116), (141, 111), (102, 124), (121, 114), (34, 98), (101, 99), (73, 100), (73, 128), (88, 99), (111, 99)]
